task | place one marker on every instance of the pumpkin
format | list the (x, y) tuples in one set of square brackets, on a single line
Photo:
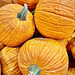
[(71, 71), (31, 3), (1, 46), (55, 18), (5, 2), (9, 61), (42, 56), (16, 24)]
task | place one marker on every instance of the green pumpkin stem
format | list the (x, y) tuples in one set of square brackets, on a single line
[(34, 70), (22, 15)]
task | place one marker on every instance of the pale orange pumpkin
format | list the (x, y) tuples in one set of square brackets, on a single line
[(42, 56), (71, 71), (55, 18), (9, 61), (31, 3), (16, 25)]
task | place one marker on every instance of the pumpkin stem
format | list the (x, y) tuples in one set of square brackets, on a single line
[(34, 70), (22, 15)]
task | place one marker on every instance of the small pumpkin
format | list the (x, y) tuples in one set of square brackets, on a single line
[(9, 61), (42, 56), (55, 18), (31, 3), (71, 71), (1, 46), (16, 24)]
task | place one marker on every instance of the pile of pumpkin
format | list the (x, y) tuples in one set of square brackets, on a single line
[(39, 44)]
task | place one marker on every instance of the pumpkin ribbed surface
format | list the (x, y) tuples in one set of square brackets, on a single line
[(31, 3), (49, 55), (14, 32), (71, 71), (9, 61), (55, 18)]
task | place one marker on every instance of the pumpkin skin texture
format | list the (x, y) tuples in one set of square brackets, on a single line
[(49, 55), (9, 61), (5, 2), (31, 3), (1, 46), (14, 32), (71, 71), (55, 18), (72, 47)]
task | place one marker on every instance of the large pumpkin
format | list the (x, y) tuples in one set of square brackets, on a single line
[(55, 18), (42, 56), (31, 3), (16, 25), (9, 61)]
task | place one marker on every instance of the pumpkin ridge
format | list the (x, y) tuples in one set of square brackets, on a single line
[(42, 48), (25, 57), (14, 30), (55, 64), (50, 58), (56, 3), (9, 60), (6, 11), (9, 27), (55, 24), (51, 28), (8, 51), (64, 16), (44, 59), (11, 67), (59, 68), (55, 58), (13, 72), (48, 35), (17, 72)]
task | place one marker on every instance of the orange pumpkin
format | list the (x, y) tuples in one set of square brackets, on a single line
[(31, 3), (42, 56), (9, 61), (16, 25), (71, 71), (55, 18), (1, 46)]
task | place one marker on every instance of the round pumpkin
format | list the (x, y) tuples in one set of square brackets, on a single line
[(16, 24), (9, 61), (55, 18), (42, 56), (31, 3)]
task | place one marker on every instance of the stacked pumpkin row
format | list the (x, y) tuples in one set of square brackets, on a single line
[(55, 20)]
